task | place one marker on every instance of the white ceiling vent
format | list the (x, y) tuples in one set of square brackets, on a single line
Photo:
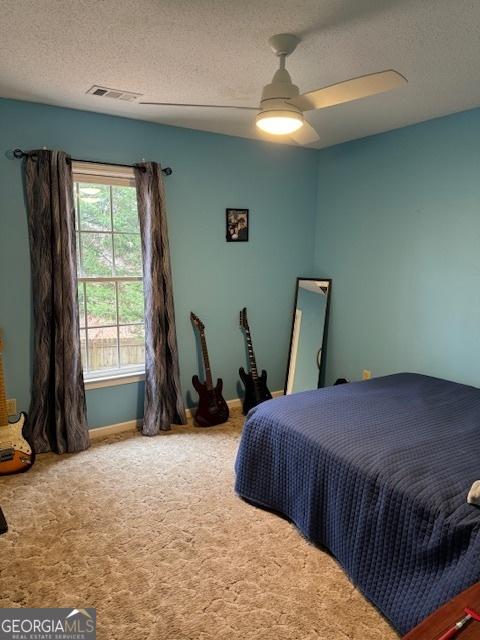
[(115, 94)]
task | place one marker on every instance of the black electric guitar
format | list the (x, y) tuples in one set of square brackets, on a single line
[(16, 453), (212, 408), (3, 523), (256, 390)]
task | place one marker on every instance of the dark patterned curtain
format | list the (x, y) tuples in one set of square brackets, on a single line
[(163, 397), (57, 417)]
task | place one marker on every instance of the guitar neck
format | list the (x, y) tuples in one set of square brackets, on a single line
[(206, 361), (251, 355), (3, 397)]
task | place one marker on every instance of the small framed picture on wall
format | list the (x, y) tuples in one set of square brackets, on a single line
[(237, 225)]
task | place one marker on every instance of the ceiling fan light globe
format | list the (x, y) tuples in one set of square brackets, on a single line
[(279, 123)]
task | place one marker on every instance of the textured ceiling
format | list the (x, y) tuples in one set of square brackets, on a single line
[(216, 51)]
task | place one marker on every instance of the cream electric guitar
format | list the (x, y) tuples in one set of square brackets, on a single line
[(16, 454)]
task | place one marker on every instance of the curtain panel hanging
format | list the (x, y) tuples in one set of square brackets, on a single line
[(57, 417), (163, 397)]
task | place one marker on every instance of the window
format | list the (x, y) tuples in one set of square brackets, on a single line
[(109, 271)]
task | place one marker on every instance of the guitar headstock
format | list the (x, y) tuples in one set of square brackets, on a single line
[(243, 319), (197, 322)]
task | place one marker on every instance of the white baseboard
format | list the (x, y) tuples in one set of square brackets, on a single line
[(109, 430), (134, 425)]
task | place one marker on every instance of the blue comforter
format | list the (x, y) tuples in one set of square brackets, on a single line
[(378, 473)]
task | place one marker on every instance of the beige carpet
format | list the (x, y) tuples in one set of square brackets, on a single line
[(150, 532)]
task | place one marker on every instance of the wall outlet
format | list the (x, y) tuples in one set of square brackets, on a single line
[(366, 374), (12, 407)]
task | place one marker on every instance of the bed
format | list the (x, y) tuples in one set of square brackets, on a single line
[(377, 472)]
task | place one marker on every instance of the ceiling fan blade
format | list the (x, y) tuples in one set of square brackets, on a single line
[(305, 135), (349, 90), (205, 106)]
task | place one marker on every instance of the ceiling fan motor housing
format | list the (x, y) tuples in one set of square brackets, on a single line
[(276, 95)]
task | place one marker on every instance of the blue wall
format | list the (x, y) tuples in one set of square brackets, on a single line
[(215, 279), (398, 230)]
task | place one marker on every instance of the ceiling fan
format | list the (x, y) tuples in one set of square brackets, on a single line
[(281, 111)]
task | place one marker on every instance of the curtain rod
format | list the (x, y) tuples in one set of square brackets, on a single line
[(18, 153)]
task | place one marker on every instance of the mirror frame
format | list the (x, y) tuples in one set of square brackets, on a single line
[(321, 371)]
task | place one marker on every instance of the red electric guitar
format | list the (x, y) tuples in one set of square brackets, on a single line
[(212, 408)]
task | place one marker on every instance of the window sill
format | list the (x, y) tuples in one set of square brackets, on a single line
[(114, 380)]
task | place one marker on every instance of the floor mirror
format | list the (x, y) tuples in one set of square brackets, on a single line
[(306, 361)]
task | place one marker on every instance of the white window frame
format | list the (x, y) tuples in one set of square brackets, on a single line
[(107, 175)]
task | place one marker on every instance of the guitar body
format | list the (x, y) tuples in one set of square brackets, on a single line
[(212, 408), (16, 454), (255, 392)]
